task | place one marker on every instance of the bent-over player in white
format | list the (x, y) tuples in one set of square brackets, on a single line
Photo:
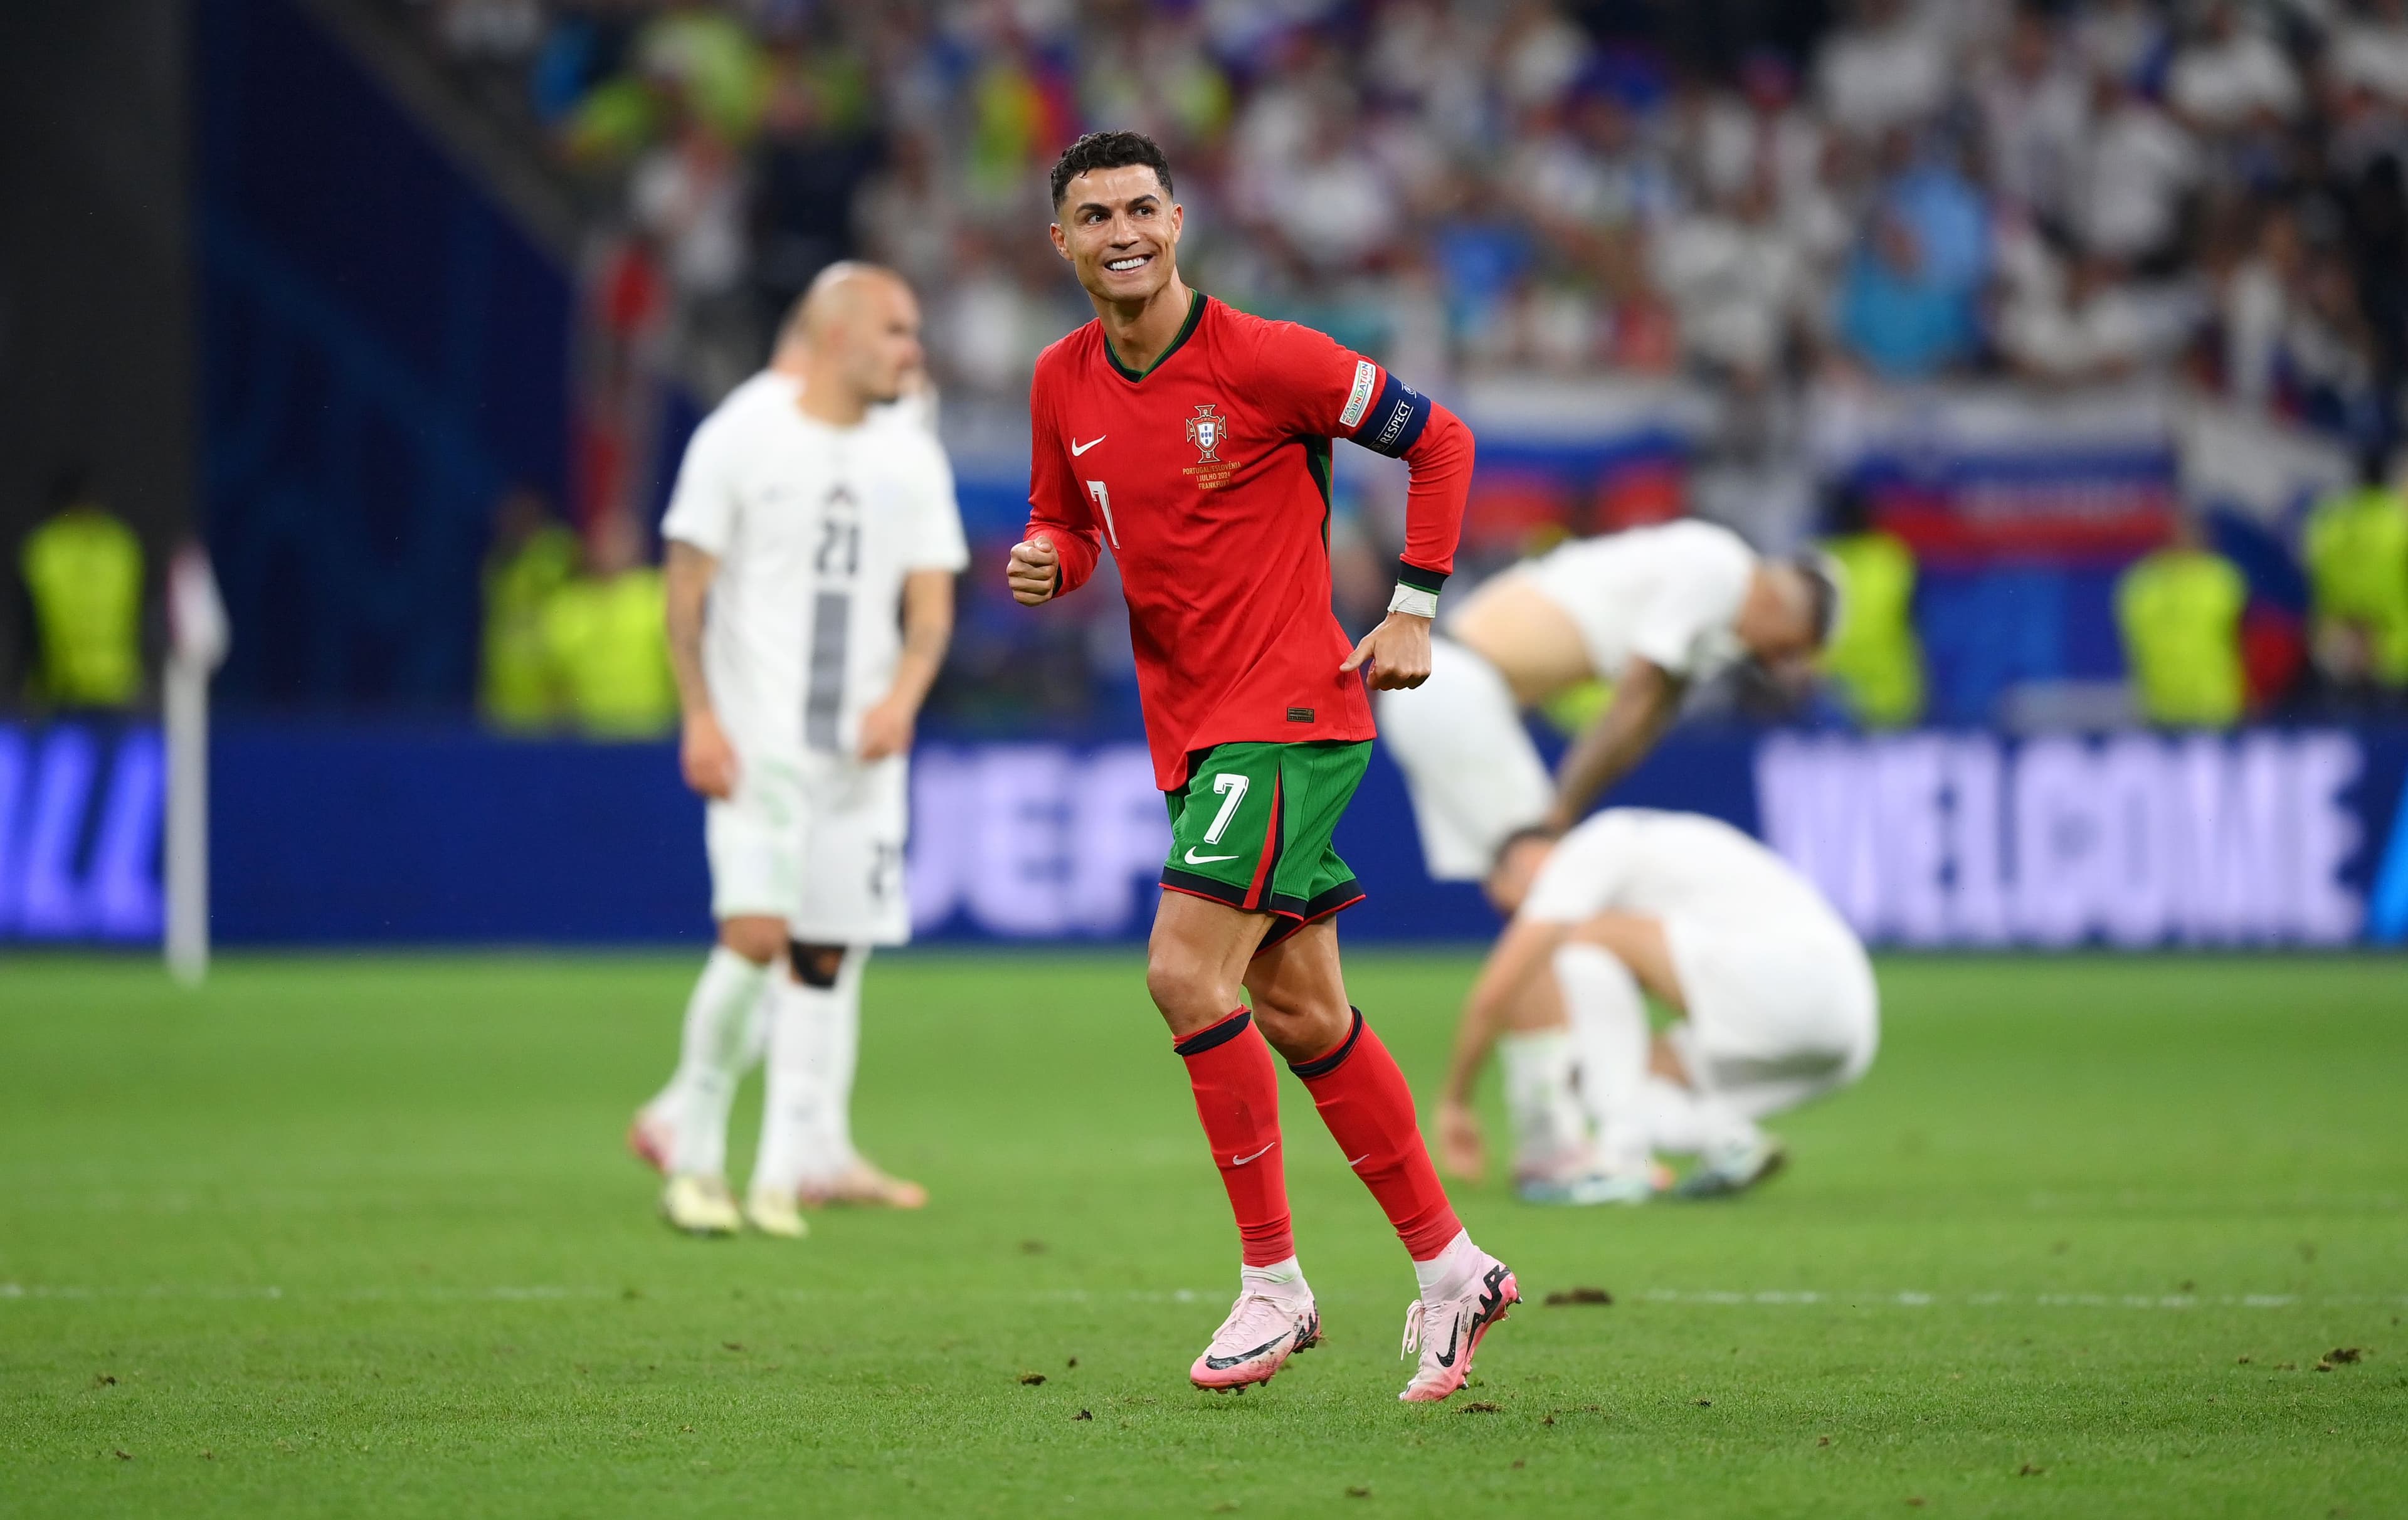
[(813, 540), (1651, 609), (1775, 1000)]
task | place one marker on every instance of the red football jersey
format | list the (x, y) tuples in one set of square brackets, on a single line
[(1208, 476)]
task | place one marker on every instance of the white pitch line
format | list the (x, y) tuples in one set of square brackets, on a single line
[(1765, 1297), (265, 1293), (2017, 1300)]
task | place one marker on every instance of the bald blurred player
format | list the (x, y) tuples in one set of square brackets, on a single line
[(1774, 1000), (813, 540)]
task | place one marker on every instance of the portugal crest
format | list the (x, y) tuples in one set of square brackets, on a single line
[(1206, 431)]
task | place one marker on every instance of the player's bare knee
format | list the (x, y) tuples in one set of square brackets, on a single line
[(815, 965), (758, 940), (1185, 988)]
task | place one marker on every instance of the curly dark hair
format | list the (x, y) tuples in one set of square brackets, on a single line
[(1109, 150)]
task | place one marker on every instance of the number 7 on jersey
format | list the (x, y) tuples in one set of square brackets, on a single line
[(1104, 503)]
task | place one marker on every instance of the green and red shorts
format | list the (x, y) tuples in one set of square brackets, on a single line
[(1252, 829)]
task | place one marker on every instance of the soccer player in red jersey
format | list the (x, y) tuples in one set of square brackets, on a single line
[(1194, 441)]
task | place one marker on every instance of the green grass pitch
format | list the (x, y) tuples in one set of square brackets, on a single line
[(346, 1236)]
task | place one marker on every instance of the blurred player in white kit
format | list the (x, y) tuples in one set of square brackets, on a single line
[(814, 538), (1653, 611), (1774, 998)]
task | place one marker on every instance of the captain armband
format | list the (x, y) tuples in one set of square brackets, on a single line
[(1394, 419)]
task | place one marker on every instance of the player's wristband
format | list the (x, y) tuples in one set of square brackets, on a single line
[(1413, 599)]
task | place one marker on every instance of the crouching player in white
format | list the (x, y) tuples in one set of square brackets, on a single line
[(813, 541), (1652, 611), (1775, 1006)]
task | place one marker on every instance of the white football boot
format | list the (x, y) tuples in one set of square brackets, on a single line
[(1447, 1331), (1261, 1333), (1734, 1167), (776, 1214), (700, 1206)]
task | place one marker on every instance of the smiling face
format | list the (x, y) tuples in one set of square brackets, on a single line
[(1119, 228)]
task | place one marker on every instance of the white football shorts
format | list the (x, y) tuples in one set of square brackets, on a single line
[(818, 842), (1775, 1017), (1469, 766)]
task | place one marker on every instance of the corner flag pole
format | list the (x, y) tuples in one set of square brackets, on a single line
[(197, 630)]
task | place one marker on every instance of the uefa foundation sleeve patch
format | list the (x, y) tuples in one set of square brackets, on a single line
[(1367, 375)]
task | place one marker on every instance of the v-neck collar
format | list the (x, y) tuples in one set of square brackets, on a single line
[(1186, 330)]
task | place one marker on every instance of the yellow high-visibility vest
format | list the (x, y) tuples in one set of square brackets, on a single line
[(83, 570), (1875, 659), (2180, 610), (521, 690), (609, 638), (2357, 549)]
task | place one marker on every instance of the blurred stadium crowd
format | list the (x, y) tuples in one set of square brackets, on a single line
[(1792, 205), (1902, 190)]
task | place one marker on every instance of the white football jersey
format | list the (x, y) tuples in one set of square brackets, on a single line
[(815, 528), (1677, 866), (1667, 594)]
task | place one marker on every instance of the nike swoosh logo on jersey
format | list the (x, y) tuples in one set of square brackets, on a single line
[(1219, 1363), (1077, 447), (1239, 1161), (1195, 859)]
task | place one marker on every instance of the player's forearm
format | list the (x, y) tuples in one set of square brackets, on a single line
[(1438, 466), (1501, 981), (927, 633), (688, 575), (1475, 1034), (1643, 706)]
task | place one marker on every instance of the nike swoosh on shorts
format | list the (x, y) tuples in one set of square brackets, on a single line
[(1077, 447), (1195, 859)]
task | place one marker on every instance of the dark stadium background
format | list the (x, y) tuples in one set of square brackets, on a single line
[(320, 283)]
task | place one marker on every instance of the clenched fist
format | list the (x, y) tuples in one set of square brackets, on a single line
[(1035, 572)]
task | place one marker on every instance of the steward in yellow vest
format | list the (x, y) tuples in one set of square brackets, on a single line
[(2357, 549), (606, 632), (2180, 612), (1875, 659), (533, 558), (83, 576)]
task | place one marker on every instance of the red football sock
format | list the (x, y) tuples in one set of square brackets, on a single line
[(1368, 1108), (1237, 1095)]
